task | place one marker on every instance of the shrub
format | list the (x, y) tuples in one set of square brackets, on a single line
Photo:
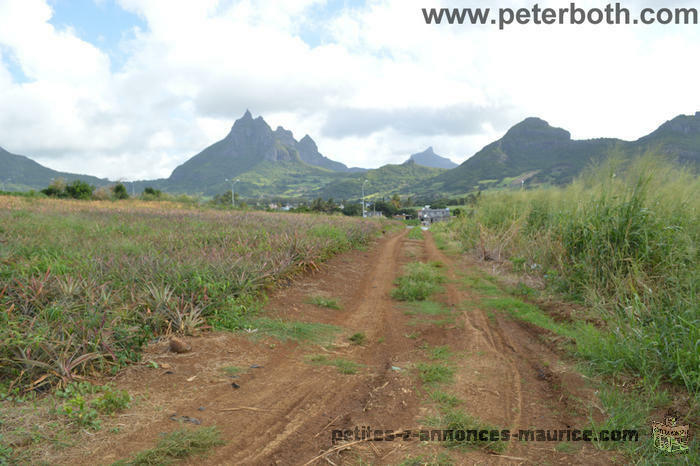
[(119, 191), (79, 190)]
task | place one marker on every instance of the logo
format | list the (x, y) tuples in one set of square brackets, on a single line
[(669, 437)]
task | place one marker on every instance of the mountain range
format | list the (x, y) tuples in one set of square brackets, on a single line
[(272, 163), (534, 152)]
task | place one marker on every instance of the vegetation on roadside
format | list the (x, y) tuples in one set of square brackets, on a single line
[(177, 445), (623, 242), (621, 239)]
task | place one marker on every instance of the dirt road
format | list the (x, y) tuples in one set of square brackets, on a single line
[(286, 407)]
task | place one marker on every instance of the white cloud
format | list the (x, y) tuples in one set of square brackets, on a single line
[(381, 85)]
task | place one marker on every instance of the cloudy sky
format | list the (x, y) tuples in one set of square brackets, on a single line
[(131, 88)]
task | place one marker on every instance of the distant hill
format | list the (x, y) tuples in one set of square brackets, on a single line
[(20, 173), (530, 146), (534, 152), (428, 158), (678, 138)]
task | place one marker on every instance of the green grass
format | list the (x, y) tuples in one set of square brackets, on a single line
[(416, 233), (312, 332), (528, 313), (481, 285), (322, 301), (439, 352), (433, 373), (444, 399), (177, 445), (455, 419), (419, 282), (634, 410), (344, 366)]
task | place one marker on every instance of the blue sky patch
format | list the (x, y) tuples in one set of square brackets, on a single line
[(103, 23)]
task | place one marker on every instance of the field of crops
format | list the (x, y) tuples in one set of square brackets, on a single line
[(84, 285), (623, 240)]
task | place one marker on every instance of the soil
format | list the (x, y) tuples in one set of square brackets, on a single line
[(285, 408)]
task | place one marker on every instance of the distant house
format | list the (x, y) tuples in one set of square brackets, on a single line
[(427, 215), (373, 214)]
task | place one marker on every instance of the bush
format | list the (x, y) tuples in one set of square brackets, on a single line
[(119, 191), (79, 190)]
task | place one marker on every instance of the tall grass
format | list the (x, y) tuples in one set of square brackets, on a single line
[(84, 285), (623, 238)]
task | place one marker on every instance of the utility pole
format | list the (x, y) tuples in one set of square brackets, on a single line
[(363, 198), (233, 194)]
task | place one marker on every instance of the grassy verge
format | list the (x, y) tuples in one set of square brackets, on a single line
[(622, 239), (630, 398)]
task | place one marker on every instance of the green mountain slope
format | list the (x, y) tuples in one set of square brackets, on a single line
[(272, 163), (536, 153), (266, 162), (18, 172), (678, 138), (383, 181)]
